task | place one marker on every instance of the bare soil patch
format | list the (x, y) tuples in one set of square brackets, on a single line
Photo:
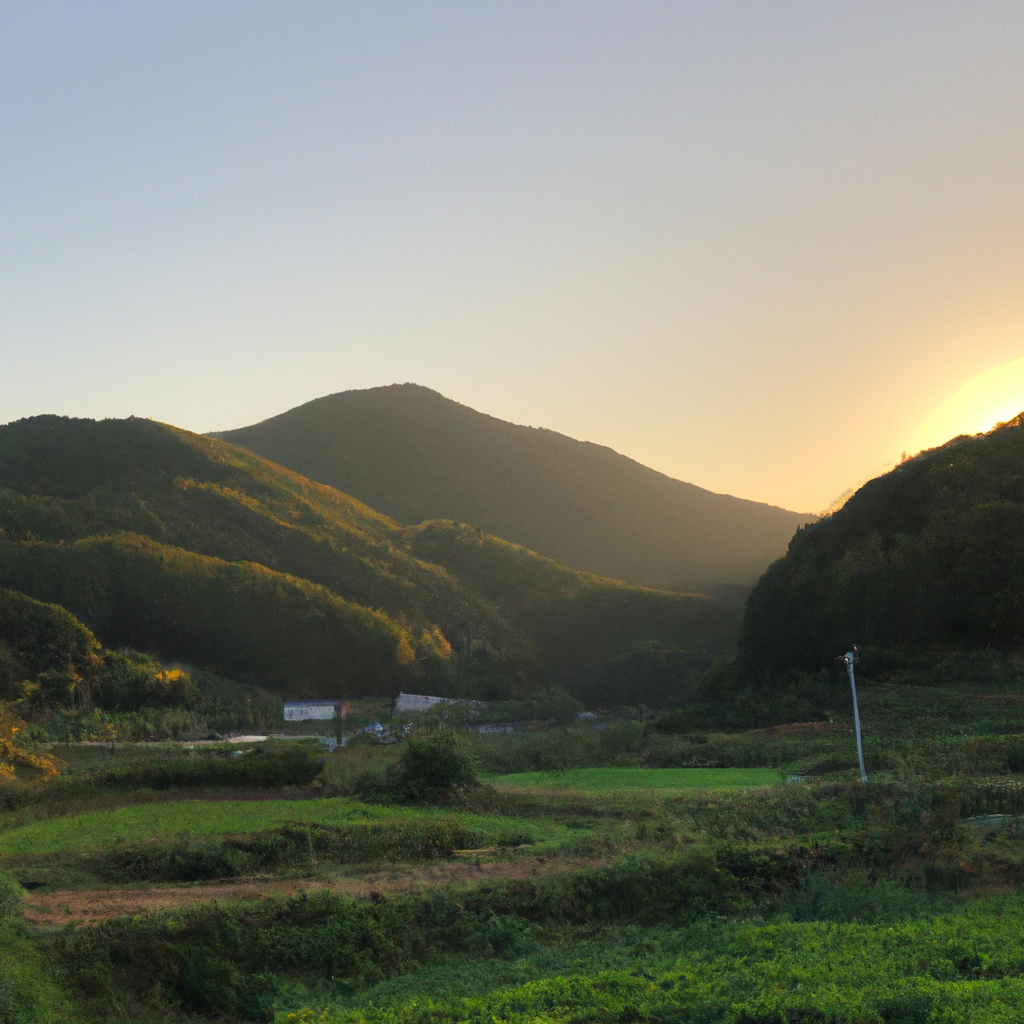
[(60, 907)]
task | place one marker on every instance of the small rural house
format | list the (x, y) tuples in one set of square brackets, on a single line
[(407, 703), (307, 710)]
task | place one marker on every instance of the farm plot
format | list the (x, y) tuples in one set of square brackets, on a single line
[(173, 819), (620, 779)]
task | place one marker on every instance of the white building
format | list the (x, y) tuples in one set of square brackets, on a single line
[(405, 703), (306, 710)]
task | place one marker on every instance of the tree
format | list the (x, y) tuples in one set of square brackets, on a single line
[(433, 765), (13, 757)]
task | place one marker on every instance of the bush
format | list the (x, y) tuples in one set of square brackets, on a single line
[(823, 896), (11, 895), (129, 681), (293, 766), (432, 766), (211, 959), (296, 765), (290, 846), (622, 738), (672, 723)]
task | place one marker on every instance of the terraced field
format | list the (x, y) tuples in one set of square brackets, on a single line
[(602, 780), (195, 818)]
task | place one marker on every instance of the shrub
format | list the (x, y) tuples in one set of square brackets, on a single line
[(293, 766), (129, 681), (11, 895), (190, 860), (672, 723), (622, 738), (211, 959), (431, 766), (14, 758), (296, 765)]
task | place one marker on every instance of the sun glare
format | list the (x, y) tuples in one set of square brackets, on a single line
[(992, 398)]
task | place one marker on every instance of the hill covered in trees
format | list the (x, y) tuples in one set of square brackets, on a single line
[(417, 455), (921, 563), (192, 549)]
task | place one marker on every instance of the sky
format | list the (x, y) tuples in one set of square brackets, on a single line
[(764, 248)]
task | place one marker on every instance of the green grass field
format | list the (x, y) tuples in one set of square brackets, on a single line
[(617, 779), (588, 895), (170, 819)]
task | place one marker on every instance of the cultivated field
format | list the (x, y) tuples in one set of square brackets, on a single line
[(624, 780), (599, 892)]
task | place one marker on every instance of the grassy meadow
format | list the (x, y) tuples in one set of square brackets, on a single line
[(714, 888), (603, 780), (151, 822)]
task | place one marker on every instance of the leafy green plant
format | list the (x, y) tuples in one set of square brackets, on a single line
[(11, 897), (431, 766)]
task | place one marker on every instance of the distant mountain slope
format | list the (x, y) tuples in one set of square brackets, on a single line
[(613, 642), (928, 558), (416, 455), (193, 549)]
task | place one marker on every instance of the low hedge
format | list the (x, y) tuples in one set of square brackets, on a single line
[(295, 765), (298, 845)]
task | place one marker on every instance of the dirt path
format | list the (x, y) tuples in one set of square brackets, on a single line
[(59, 907)]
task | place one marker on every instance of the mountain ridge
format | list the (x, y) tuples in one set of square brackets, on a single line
[(193, 549), (921, 564), (416, 455)]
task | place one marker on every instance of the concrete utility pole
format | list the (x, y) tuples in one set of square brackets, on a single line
[(848, 659)]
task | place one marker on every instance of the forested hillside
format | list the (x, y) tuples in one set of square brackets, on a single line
[(193, 549), (417, 455), (921, 562)]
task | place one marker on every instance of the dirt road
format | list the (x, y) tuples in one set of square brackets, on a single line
[(59, 907)]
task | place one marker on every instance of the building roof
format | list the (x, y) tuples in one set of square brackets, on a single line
[(405, 702)]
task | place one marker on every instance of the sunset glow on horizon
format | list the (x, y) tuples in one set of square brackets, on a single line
[(991, 398), (762, 248)]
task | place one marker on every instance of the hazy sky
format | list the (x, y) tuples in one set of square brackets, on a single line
[(753, 245)]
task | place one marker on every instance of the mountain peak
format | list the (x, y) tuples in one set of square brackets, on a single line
[(415, 455)]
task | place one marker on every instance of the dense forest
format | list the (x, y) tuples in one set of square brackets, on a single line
[(921, 562), (192, 549), (416, 455)]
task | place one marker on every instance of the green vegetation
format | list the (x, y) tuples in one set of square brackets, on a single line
[(416, 455), (610, 892), (827, 879), (920, 566), (15, 758), (957, 967), (291, 766), (11, 896), (55, 674), (295, 848), (598, 638), (603, 779), (44, 650), (432, 766), (164, 821), (650, 866), (239, 620), (198, 552), (29, 993)]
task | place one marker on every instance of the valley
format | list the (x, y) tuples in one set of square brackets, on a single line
[(632, 805)]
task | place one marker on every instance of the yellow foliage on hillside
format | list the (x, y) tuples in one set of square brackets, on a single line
[(13, 757)]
